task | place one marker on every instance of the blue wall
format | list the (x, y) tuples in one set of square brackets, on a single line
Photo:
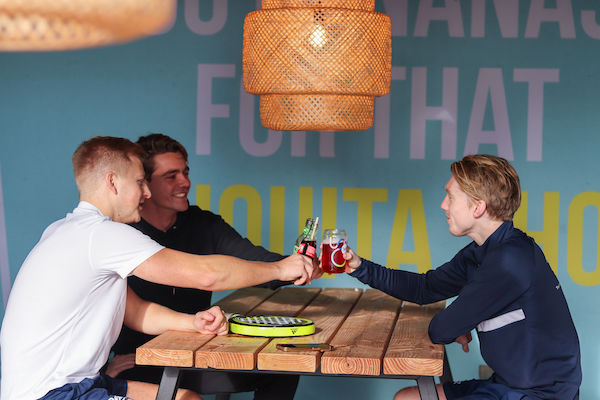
[(515, 78)]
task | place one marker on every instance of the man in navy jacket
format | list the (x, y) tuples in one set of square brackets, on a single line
[(506, 291)]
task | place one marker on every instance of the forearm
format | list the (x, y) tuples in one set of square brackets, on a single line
[(404, 285), (232, 244), (400, 284), (211, 272), (229, 242), (234, 273), (154, 319)]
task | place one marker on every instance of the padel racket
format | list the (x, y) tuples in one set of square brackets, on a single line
[(270, 326)]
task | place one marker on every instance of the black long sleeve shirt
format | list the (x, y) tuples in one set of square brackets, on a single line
[(195, 231)]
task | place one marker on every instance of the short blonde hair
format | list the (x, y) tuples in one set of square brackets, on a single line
[(491, 179), (98, 155)]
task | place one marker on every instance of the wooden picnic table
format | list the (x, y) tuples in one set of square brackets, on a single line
[(372, 334)]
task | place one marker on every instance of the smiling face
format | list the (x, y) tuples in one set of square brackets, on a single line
[(460, 209), (169, 183), (132, 191)]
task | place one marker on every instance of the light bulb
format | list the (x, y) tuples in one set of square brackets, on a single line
[(318, 36)]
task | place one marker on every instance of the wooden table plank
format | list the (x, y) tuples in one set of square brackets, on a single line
[(172, 348), (243, 300), (410, 351), (288, 301), (327, 311), (177, 348), (230, 352), (239, 352), (360, 343)]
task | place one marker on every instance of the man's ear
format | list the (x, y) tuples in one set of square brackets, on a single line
[(480, 208), (110, 180)]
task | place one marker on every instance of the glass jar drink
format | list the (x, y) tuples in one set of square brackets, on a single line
[(332, 253)]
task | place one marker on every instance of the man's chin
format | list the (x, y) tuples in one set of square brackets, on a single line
[(454, 233), (182, 206), (133, 219)]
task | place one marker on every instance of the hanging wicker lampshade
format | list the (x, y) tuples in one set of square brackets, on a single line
[(45, 25), (317, 64)]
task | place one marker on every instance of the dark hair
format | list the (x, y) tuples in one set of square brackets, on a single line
[(104, 152), (491, 179), (157, 143)]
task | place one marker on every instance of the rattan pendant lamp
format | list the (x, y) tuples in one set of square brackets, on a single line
[(317, 64), (47, 25)]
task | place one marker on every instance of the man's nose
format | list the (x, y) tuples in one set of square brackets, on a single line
[(146, 191), (183, 180)]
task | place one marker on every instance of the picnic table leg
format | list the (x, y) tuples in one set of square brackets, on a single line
[(427, 388), (168, 384), (447, 373)]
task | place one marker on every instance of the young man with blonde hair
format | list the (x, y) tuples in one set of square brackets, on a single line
[(70, 296), (506, 291)]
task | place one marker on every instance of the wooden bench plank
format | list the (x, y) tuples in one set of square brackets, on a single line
[(360, 343), (338, 303), (239, 352), (410, 350), (179, 347)]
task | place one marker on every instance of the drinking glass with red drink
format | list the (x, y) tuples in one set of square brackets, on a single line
[(332, 253)]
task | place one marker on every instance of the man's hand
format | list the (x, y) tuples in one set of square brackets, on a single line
[(211, 322), (120, 363), (464, 340), (297, 268), (317, 271), (353, 261)]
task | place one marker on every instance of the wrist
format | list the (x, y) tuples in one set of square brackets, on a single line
[(276, 271), (188, 322), (352, 269)]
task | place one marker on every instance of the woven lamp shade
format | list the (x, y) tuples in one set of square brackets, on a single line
[(45, 25), (317, 65)]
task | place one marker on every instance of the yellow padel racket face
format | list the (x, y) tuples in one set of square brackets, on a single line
[(271, 326)]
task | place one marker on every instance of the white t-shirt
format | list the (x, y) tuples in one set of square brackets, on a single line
[(67, 303)]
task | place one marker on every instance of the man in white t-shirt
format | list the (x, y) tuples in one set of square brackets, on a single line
[(70, 297)]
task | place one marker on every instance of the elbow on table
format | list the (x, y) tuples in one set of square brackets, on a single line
[(438, 333)]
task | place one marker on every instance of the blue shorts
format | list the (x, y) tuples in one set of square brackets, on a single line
[(101, 387), (481, 390)]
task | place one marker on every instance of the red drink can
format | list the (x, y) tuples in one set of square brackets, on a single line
[(332, 253)]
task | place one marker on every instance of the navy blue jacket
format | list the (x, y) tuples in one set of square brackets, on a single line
[(509, 293)]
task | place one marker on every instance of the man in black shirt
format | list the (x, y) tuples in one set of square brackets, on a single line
[(168, 218)]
